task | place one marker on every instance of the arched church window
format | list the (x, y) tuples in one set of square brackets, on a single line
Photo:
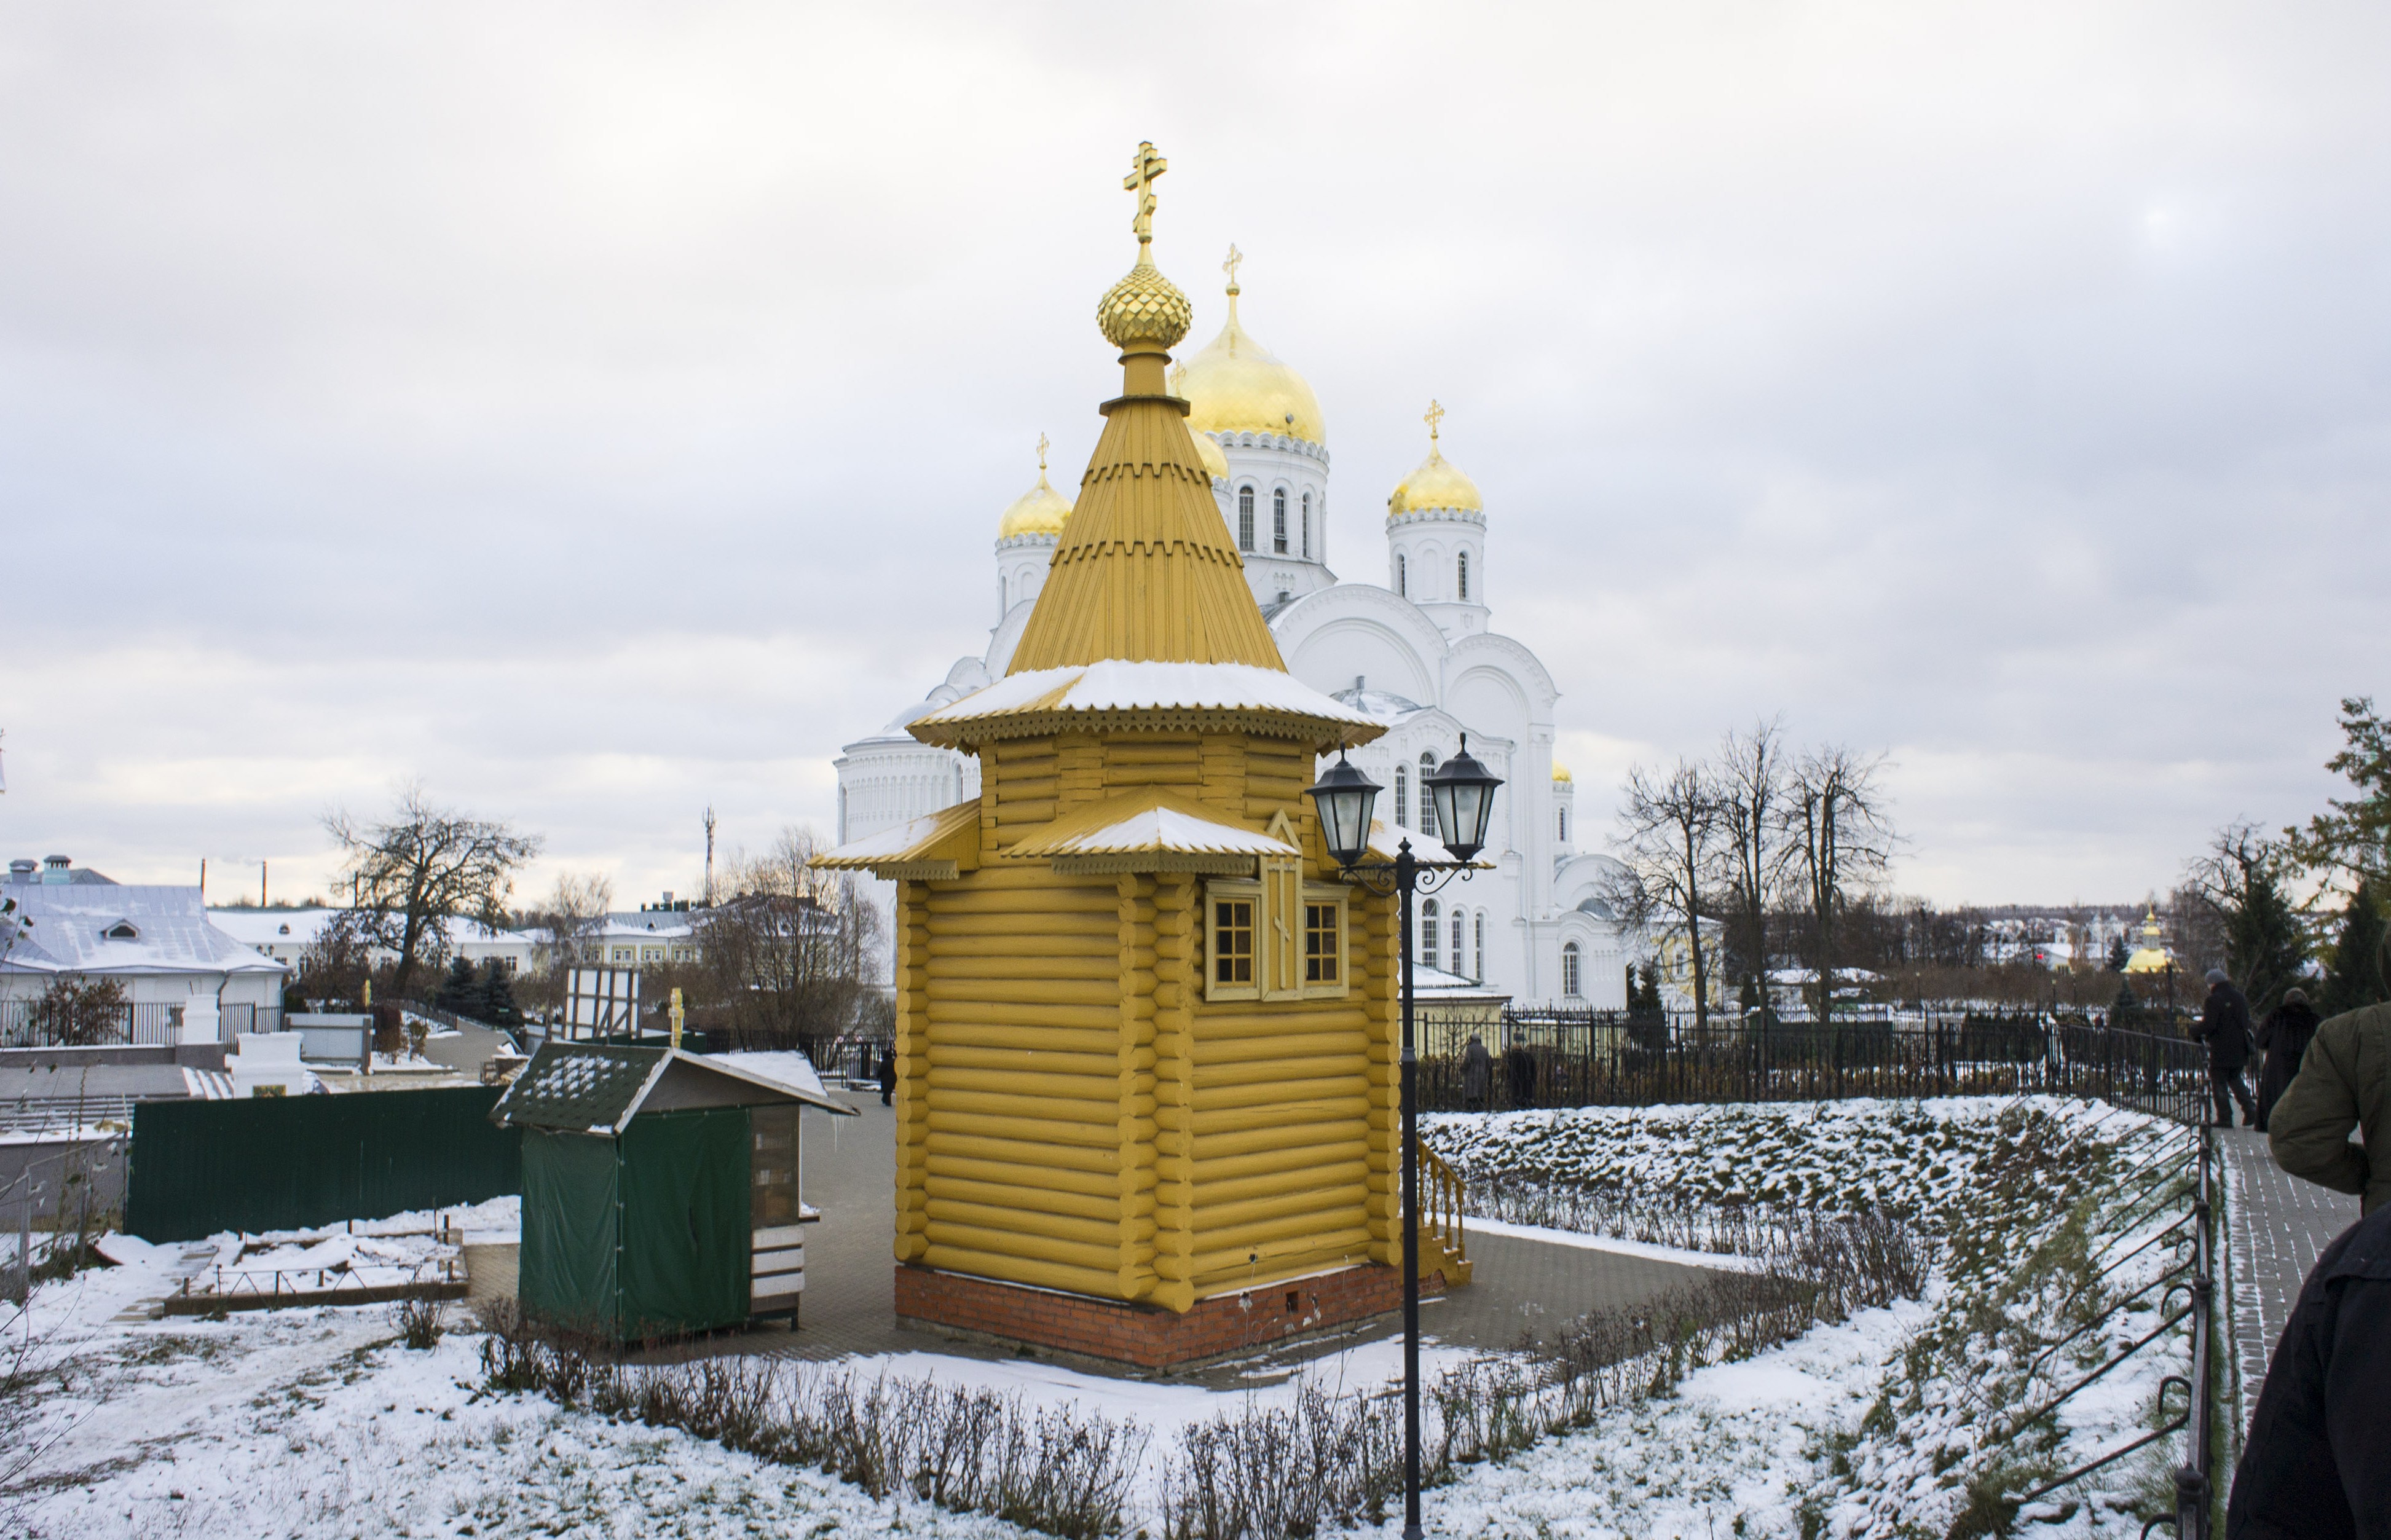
[(1402, 578), (1428, 934), (1564, 828), (1307, 524), (1402, 798), (1279, 521), (1427, 808), (1461, 575), (1478, 973), (1245, 519), (1568, 971), (1460, 958)]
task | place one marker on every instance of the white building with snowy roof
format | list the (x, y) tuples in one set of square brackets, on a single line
[(1416, 653), (184, 976)]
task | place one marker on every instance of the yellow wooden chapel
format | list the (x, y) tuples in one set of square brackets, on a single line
[(1146, 1084)]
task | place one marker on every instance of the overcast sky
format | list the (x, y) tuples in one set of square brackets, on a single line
[(601, 411)]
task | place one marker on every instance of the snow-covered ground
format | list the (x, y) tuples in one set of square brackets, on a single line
[(318, 1421)]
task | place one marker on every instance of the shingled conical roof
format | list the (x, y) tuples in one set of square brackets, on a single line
[(1145, 571)]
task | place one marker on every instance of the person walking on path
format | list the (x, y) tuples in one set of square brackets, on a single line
[(2225, 1027), (2344, 1083), (2318, 1463), (1476, 1073), (888, 1075), (2284, 1038)]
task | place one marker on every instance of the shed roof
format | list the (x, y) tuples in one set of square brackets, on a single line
[(600, 1088)]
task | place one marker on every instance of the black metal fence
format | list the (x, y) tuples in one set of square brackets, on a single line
[(47, 1024), (1543, 1058)]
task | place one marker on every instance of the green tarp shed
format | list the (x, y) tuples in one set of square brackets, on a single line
[(658, 1190)]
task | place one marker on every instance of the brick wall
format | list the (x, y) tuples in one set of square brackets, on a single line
[(1145, 1335)]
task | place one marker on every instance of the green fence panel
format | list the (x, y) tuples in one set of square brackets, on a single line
[(566, 1272), (686, 1238), (288, 1162)]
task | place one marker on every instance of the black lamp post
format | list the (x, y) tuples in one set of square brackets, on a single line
[(1463, 794)]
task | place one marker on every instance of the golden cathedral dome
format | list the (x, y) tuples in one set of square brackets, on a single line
[(1236, 385), (1438, 483), (1216, 464), (1040, 510), (1562, 775)]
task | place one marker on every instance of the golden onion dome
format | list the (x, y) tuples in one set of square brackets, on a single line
[(1216, 464), (1236, 385), (1438, 483), (1562, 775), (1040, 510), (1144, 309)]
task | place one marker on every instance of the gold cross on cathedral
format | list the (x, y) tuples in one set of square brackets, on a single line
[(1042, 454), (1140, 180), (1435, 416), (1229, 267)]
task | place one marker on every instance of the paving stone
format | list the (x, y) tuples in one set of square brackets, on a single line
[(2276, 1227)]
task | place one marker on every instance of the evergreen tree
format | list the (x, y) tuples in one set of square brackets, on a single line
[(2243, 883), (2118, 955), (2355, 976), (457, 990), (498, 1006), (1646, 995)]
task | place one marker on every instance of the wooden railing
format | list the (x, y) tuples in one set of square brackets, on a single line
[(1441, 1193)]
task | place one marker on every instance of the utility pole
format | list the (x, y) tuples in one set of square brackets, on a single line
[(261, 886), (709, 856)]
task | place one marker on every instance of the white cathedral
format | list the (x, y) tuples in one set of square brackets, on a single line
[(1418, 654)]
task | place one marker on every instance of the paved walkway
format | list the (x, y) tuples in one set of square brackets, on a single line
[(848, 1165), (2276, 1227)]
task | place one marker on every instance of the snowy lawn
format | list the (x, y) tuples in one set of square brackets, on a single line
[(318, 1423)]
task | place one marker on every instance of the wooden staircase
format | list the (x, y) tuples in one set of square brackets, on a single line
[(1442, 1247)]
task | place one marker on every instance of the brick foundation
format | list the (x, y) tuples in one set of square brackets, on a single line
[(1147, 1335)]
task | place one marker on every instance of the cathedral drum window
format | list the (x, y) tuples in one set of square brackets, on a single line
[(1245, 519), (1279, 521), (1307, 526), (1461, 575)]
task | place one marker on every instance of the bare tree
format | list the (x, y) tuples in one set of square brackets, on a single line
[(1668, 828), (1749, 781), (789, 956), (1838, 827), (423, 867), (2246, 916), (569, 923)]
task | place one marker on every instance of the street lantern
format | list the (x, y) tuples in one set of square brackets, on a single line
[(1463, 790), (1464, 796), (1344, 797)]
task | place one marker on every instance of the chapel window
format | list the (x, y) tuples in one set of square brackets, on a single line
[(1233, 942), (1279, 521), (1402, 798), (1322, 943), (1564, 826), (1245, 519), (1427, 808), (1307, 524), (1460, 957), (1568, 971), (1461, 574), (1402, 577), (1428, 934), (1478, 973)]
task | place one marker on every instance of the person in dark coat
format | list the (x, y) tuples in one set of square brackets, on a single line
[(1476, 1073), (2318, 1463), (2225, 1027), (2284, 1038), (1519, 1068), (888, 1075)]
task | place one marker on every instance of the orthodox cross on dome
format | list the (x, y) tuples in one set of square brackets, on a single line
[(1041, 457), (1142, 170), (1229, 267), (1435, 414)]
